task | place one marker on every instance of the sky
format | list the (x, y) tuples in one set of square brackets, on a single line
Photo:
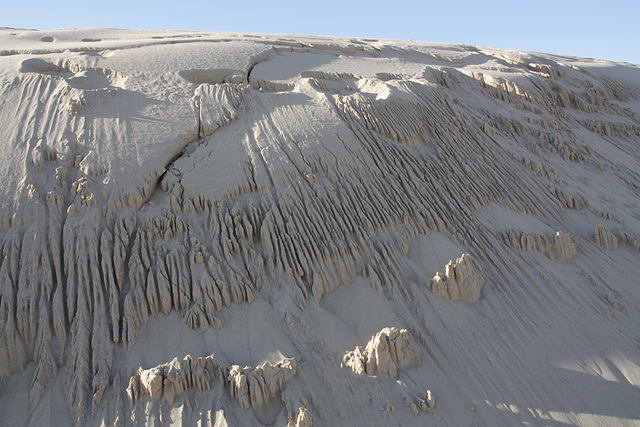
[(593, 29)]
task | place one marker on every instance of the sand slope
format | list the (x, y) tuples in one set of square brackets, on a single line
[(245, 229)]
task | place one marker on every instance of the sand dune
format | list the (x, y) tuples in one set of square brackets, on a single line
[(246, 229)]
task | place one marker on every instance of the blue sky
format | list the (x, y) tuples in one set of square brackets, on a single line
[(607, 30)]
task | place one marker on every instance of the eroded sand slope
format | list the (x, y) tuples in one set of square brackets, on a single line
[(251, 229)]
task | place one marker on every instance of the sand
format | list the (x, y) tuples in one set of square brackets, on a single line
[(249, 229)]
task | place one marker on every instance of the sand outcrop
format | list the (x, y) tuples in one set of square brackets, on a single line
[(387, 351), (302, 418), (606, 239), (249, 386), (561, 247), (462, 280), (610, 240)]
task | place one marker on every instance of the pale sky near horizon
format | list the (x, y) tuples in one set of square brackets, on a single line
[(606, 30)]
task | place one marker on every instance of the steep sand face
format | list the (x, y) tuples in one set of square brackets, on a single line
[(267, 230)]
